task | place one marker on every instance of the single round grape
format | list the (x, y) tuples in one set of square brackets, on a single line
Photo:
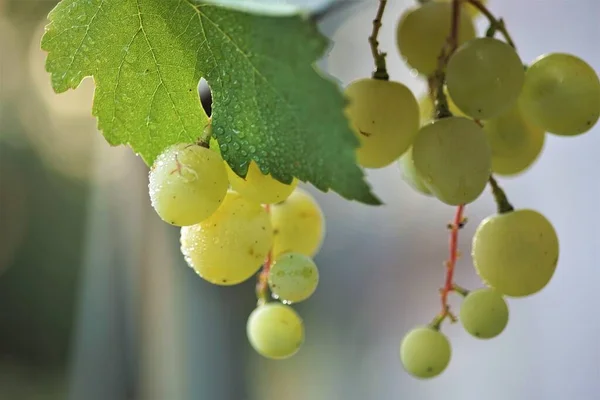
[(423, 31), (187, 183), (516, 252), (260, 188), (562, 94), (410, 175), (293, 277), (231, 245), (385, 118), (484, 313), (425, 352), (298, 225), (453, 159), (427, 108), (515, 142), (275, 331), (471, 9), (485, 77)]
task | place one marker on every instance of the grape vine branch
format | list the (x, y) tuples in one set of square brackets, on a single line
[(378, 56), (496, 24)]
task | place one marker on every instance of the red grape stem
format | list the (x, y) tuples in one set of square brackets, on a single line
[(496, 24), (378, 57), (262, 285)]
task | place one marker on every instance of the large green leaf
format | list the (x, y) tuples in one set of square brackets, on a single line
[(270, 104)]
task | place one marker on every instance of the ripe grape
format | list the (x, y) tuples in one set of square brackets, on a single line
[(298, 225), (516, 252), (409, 173), (422, 32), (515, 142), (562, 94), (452, 157), (427, 108), (275, 331), (187, 183), (231, 245), (258, 187), (485, 77), (484, 313), (384, 117), (293, 277), (472, 10), (425, 352)]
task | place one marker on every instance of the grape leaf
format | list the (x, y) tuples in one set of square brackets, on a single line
[(270, 104)]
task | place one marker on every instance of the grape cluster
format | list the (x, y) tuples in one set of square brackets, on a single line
[(486, 113), (232, 226)]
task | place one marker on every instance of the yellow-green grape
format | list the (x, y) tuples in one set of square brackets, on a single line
[(423, 31), (275, 331), (260, 188), (471, 9), (385, 118), (427, 108), (187, 183), (485, 77), (298, 225), (410, 175), (453, 159), (425, 352), (293, 277), (561, 94), (484, 313), (515, 142), (516, 252), (231, 245)]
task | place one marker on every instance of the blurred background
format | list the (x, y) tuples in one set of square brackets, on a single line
[(96, 301)]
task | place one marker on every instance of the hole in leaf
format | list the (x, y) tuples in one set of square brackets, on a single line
[(205, 96)]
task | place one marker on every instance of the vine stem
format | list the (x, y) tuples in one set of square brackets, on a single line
[(500, 197), (378, 56), (496, 24), (262, 285)]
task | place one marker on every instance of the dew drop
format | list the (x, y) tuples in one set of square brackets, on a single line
[(252, 149), (236, 145), (224, 147)]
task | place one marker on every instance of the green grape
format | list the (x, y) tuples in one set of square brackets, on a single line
[(561, 94), (515, 142), (425, 352), (427, 108), (258, 187), (472, 10), (516, 252), (384, 117), (187, 183), (298, 225), (293, 277), (410, 175), (423, 31), (485, 77), (484, 313), (231, 245), (452, 157), (275, 331)]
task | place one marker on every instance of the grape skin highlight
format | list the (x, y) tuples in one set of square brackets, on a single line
[(258, 187), (484, 313), (384, 117), (453, 159), (293, 277), (485, 77), (187, 183), (425, 352), (516, 252), (562, 94), (231, 245), (275, 331)]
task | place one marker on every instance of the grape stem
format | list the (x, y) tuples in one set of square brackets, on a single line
[(262, 286), (496, 24), (204, 140), (502, 202), (378, 57)]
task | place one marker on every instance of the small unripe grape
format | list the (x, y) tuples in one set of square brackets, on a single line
[(425, 352), (275, 331), (260, 188)]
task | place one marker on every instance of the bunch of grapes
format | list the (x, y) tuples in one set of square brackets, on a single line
[(233, 226), (486, 114)]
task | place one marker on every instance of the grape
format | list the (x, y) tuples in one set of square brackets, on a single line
[(231, 245), (453, 159), (472, 10), (515, 142), (425, 352), (423, 31), (187, 183), (516, 252), (410, 175), (562, 94), (485, 77), (260, 188), (427, 108), (298, 225), (275, 331), (484, 313), (293, 277), (384, 117)]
